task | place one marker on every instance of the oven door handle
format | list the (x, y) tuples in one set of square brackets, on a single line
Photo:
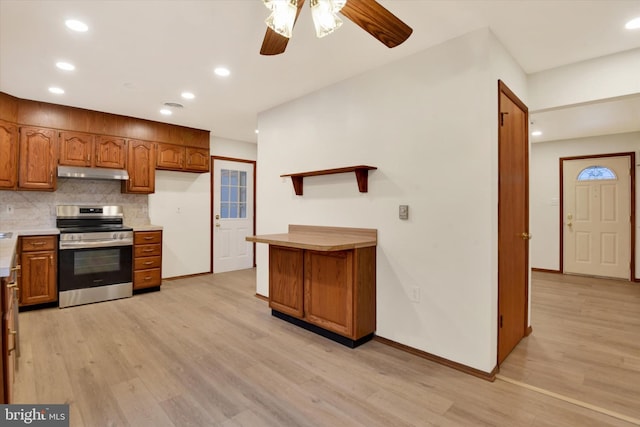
[(96, 244)]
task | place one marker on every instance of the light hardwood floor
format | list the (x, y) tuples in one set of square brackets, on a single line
[(585, 342), (204, 351)]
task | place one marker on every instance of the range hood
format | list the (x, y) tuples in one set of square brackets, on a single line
[(92, 173)]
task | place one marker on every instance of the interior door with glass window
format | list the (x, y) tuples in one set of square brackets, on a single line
[(233, 215)]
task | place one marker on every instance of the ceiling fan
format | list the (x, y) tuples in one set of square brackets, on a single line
[(369, 15)]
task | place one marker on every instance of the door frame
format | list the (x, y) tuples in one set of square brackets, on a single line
[(526, 328), (211, 210), (632, 197)]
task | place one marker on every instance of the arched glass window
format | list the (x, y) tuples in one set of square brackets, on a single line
[(596, 172)]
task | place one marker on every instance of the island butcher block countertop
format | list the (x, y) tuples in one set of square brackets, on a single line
[(319, 238)]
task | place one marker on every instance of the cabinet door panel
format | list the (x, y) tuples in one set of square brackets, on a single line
[(110, 152), (8, 155), (38, 283), (37, 159), (286, 280), (170, 157), (328, 283), (75, 148), (198, 159), (141, 161)]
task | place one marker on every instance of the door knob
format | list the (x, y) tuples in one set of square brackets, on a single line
[(526, 236)]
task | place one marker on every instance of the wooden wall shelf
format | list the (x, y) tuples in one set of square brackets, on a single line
[(362, 176)]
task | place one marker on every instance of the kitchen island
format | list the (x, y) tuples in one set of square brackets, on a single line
[(324, 279)]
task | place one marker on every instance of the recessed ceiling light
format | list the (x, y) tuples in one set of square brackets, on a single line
[(56, 90), (166, 112), (222, 71), (536, 133), (65, 66), (257, 131), (634, 24), (188, 95), (76, 25)]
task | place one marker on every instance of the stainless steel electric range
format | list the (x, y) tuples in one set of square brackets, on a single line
[(95, 254)]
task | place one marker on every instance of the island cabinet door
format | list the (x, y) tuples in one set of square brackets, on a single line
[(286, 280), (328, 282)]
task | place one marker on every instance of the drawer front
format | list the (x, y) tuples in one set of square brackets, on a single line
[(147, 250), (38, 243), (146, 263), (147, 237), (146, 278)]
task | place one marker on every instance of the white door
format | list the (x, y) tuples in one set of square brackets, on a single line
[(597, 216), (233, 215)]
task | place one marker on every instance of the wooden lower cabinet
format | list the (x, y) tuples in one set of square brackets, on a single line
[(9, 336), (38, 274), (286, 280), (147, 259), (333, 290)]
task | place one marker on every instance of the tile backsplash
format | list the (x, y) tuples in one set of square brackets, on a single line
[(37, 209)]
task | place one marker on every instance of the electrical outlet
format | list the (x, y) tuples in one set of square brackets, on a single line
[(415, 294), (403, 212), (9, 210)]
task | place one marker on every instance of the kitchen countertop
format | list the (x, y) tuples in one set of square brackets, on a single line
[(148, 227), (8, 246), (320, 238)]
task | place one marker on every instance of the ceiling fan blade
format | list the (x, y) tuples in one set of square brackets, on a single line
[(372, 17), (275, 44)]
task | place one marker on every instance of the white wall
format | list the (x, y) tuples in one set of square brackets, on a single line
[(601, 78), (544, 171), (428, 123), (232, 148), (181, 204)]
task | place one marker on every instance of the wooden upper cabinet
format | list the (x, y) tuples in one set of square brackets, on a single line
[(8, 155), (76, 149), (170, 157), (141, 161), (197, 159), (37, 159), (181, 158), (110, 152)]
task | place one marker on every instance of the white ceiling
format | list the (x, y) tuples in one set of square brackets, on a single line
[(139, 54)]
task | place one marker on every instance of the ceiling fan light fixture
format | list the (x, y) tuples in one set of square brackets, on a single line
[(324, 16), (283, 16)]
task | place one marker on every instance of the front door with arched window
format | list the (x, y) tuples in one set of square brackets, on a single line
[(596, 216)]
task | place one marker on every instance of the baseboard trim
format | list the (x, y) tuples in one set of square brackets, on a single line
[(487, 376), (262, 297), (546, 270), (186, 276)]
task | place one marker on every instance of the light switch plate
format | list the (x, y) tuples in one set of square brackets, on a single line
[(403, 212)]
